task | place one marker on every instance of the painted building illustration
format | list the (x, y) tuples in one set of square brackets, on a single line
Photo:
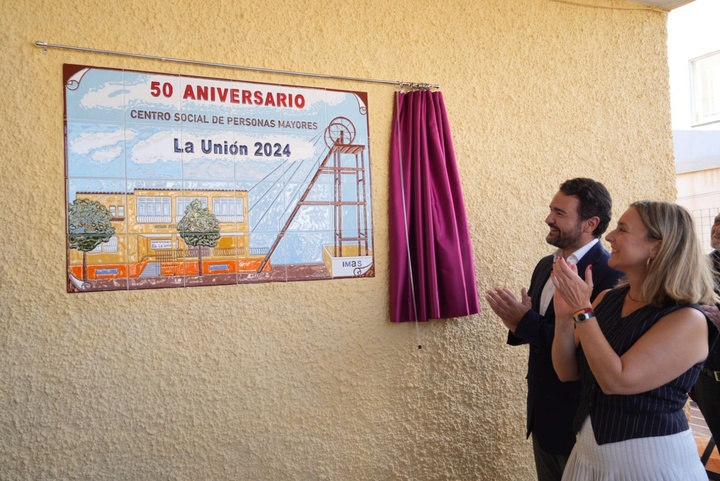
[(168, 203), (147, 243)]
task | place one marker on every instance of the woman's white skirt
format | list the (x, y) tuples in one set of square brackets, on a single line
[(661, 458)]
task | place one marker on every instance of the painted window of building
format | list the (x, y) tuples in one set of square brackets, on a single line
[(183, 202), (705, 72), (109, 247), (153, 210), (229, 209)]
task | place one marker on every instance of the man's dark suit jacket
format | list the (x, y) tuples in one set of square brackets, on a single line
[(551, 404)]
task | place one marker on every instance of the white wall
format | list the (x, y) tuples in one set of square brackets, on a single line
[(692, 32)]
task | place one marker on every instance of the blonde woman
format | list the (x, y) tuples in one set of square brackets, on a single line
[(638, 349)]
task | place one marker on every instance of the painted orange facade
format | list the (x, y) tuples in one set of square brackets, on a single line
[(147, 243)]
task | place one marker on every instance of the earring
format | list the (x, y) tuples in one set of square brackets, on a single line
[(648, 262)]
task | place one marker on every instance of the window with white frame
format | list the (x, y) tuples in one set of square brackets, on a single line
[(183, 202), (229, 209), (110, 247), (153, 210), (705, 74)]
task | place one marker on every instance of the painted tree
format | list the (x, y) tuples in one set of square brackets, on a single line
[(88, 226), (199, 228)]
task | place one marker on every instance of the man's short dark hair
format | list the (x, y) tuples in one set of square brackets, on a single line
[(594, 199)]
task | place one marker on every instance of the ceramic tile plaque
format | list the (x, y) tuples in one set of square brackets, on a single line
[(176, 181)]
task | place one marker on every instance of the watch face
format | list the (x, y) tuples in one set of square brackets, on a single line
[(583, 316)]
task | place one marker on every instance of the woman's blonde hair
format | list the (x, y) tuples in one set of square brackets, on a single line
[(680, 272)]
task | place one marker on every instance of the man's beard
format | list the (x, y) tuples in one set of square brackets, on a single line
[(563, 240)]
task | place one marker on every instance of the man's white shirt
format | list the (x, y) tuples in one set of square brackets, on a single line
[(549, 289)]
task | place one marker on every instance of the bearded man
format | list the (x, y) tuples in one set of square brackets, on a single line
[(579, 215)]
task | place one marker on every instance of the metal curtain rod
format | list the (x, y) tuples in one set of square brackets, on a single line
[(410, 85)]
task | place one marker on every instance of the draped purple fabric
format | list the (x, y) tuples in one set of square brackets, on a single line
[(432, 272)]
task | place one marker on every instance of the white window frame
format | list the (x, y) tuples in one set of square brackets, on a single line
[(109, 247), (705, 89), (153, 210), (229, 209), (181, 204)]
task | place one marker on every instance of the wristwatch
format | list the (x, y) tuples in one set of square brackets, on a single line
[(583, 315)]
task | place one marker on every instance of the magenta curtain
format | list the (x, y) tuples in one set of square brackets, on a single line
[(432, 272)]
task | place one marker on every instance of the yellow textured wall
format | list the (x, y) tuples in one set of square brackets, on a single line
[(310, 380)]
